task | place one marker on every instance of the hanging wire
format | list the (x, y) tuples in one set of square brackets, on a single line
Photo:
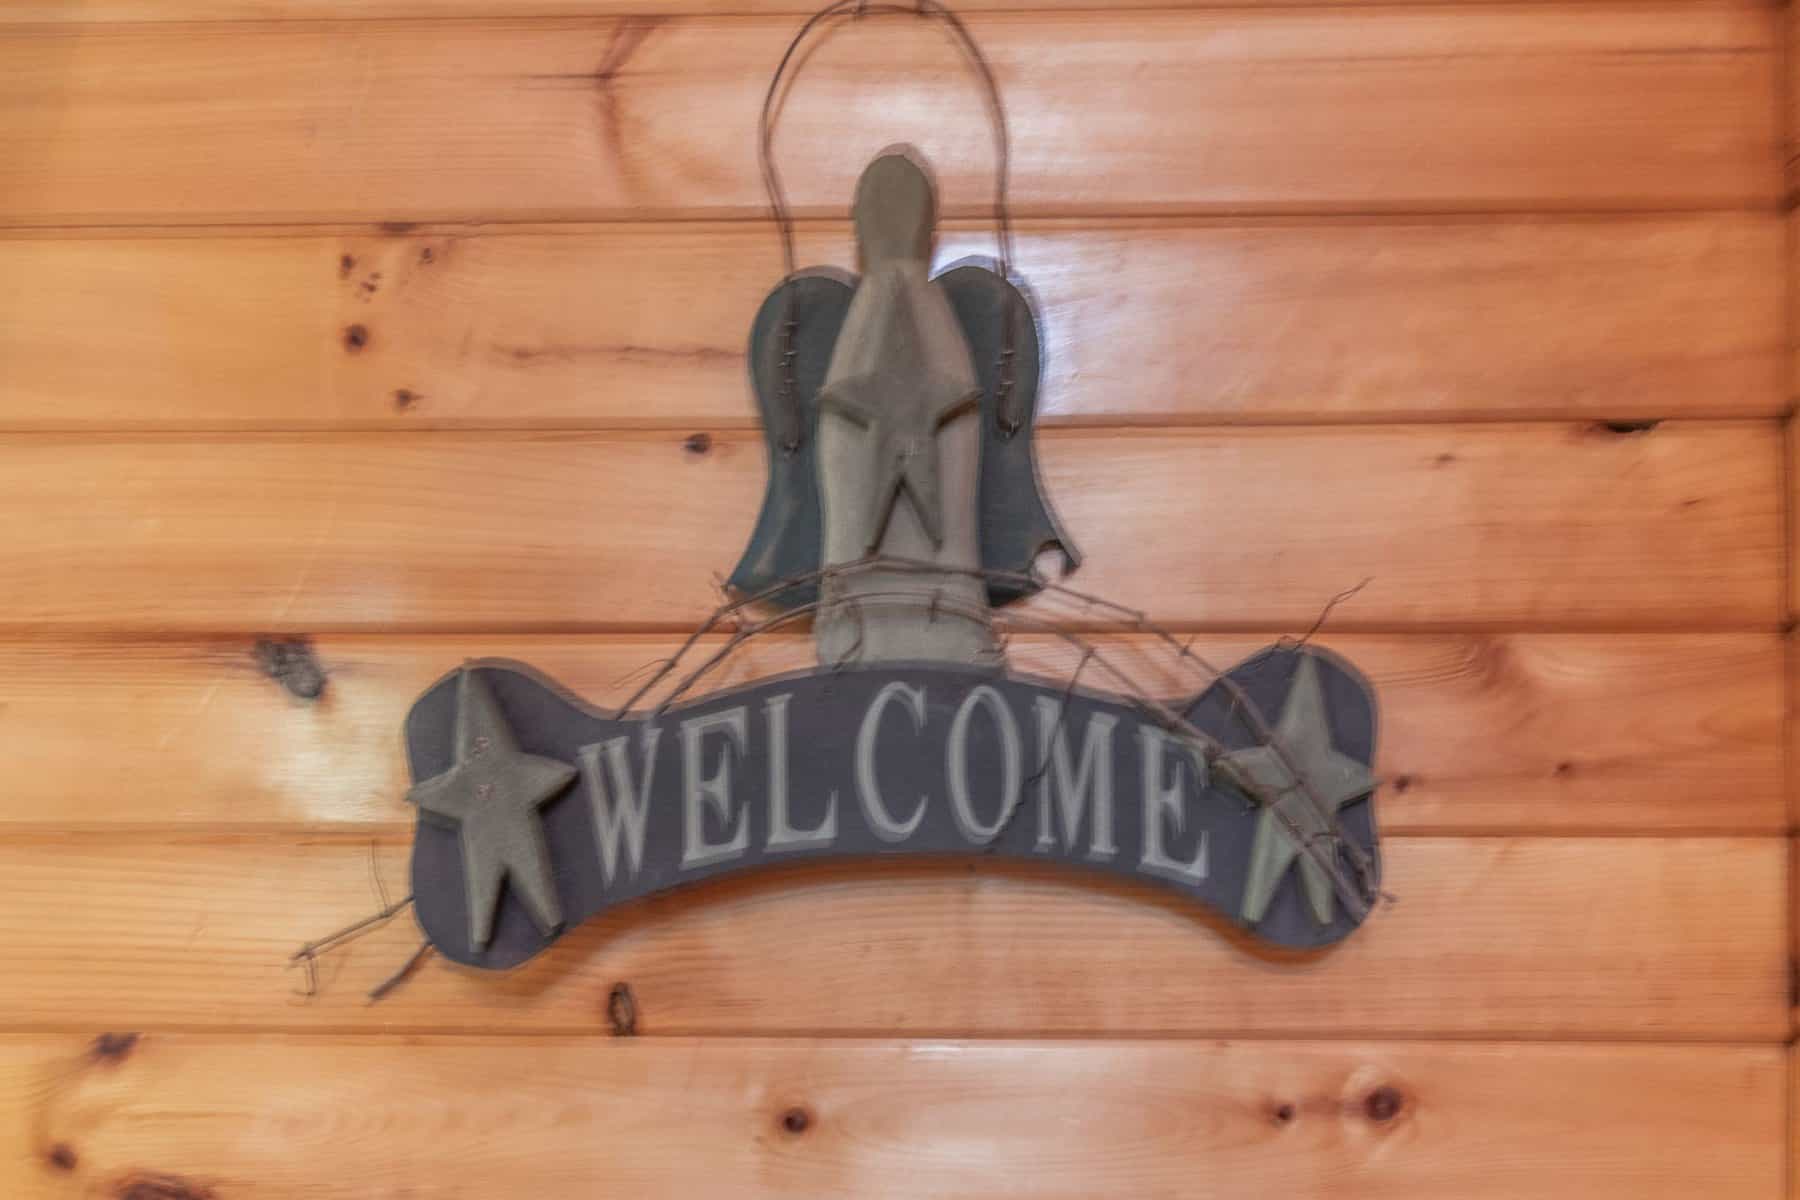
[(403, 974), (1357, 889), (792, 433), (308, 954)]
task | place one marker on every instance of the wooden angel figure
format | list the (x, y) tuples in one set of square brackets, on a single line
[(898, 409)]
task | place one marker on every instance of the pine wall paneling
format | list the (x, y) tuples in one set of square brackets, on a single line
[(414, 330)]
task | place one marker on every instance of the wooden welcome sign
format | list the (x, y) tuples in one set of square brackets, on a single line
[(903, 513), (538, 811)]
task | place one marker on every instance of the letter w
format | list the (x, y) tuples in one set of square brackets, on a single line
[(618, 808)]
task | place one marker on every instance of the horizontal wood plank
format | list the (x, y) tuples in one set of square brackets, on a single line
[(645, 325), (1531, 107), (1793, 1122), (1479, 734), (654, 1118), (1791, 461), (40, 12), (1453, 525), (1652, 938)]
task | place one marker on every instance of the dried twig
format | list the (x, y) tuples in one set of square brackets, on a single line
[(1356, 895)]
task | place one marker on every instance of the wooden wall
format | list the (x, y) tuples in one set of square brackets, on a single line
[(389, 324)]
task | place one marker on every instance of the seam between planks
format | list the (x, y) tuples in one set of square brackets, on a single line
[(439, 1033)]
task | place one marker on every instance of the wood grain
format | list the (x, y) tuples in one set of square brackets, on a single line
[(1533, 107), (1793, 1122), (116, 11), (1635, 938), (645, 325), (1251, 215), (1671, 734), (657, 1118), (1453, 526)]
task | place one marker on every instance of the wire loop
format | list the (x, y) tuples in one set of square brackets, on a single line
[(792, 433)]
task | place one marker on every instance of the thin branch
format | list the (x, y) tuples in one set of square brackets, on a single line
[(1354, 895)]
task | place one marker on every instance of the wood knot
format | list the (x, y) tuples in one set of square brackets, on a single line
[(621, 1010), (346, 264), (405, 398), (292, 663), (1384, 1103), (355, 338), (62, 1156), (1402, 783), (143, 1185), (1624, 427), (1283, 1114), (1563, 769), (112, 1047), (796, 1120), (697, 443)]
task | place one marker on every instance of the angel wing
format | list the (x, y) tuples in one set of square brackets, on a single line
[(1017, 524)]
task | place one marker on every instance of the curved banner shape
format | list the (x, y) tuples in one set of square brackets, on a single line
[(538, 811)]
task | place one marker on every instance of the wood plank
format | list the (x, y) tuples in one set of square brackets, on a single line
[(1453, 525), (1142, 322), (1281, 110), (1651, 938), (654, 1118), (1790, 157), (113, 11), (1793, 1121), (1480, 734), (1794, 947)]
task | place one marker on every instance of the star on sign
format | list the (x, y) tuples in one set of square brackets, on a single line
[(1336, 779), (492, 795), (903, 404)]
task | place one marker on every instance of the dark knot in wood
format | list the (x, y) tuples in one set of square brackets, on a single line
[(621, 1010), (155, 1186), (1384, 1103), (113, 1047), (292, 663), (796, 1120)]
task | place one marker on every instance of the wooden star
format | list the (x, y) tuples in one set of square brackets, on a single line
[(492, 795), (1335, 779), (903, 404)]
